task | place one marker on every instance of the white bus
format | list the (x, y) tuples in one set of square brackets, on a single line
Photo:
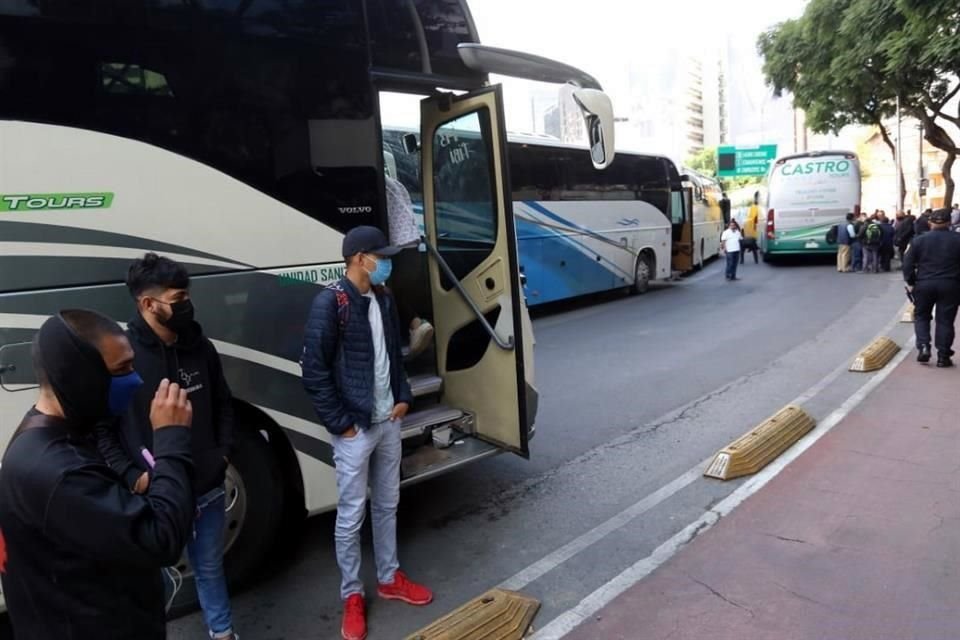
[(808, 193), (243, 139), (580, 230)]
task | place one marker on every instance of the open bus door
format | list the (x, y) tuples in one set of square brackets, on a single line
[(681, 220), (475, 281)]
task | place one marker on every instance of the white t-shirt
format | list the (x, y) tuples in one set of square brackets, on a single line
[(403, 225), (730, 240), (382, 391)]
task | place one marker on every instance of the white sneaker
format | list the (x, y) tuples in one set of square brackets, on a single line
[(421, 334)]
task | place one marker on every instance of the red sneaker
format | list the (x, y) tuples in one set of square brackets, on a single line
[(403, 589), (354, 625)]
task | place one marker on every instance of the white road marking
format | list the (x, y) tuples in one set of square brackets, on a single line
[(572, 618), (557, 557)]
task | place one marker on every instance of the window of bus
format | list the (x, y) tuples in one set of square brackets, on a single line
[(464, 195)]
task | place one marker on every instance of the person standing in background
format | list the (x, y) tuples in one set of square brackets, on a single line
[(730, 247), (846, 232), (725, 208)]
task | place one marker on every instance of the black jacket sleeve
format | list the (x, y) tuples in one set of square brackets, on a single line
[(115, 454), (223, 401), (318, 361), (90, 511), (910, 261)]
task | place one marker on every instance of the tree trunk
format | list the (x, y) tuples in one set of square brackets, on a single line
[(939, 138), (947, 167)]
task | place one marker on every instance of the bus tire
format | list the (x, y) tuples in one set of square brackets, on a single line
[(254, 516), (642, 273)]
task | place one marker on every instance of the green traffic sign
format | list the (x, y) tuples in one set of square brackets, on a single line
[(733, 162)]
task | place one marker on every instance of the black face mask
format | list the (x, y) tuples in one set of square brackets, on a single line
[(76, 373), (181, 316)]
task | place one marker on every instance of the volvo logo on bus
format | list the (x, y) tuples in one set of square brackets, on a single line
[(358, 209)]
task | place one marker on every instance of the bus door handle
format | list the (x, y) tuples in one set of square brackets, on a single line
[(506, 345)]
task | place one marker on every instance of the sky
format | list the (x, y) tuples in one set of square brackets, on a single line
[(611, 38)]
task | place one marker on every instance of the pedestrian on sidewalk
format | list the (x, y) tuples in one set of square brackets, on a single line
[(859, 227), (845, 235), (887, 250), (922, 224), (931, 268), (903, 232), (730, 246), (353, 370), (872, 239)]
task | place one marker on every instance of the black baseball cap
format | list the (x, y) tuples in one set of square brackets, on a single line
[(367, 240), (940, 216)]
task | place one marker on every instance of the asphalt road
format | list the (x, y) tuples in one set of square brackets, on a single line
[(635, 391)]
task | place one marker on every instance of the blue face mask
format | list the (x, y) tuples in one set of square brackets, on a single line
[(122, 389), (380, 275)]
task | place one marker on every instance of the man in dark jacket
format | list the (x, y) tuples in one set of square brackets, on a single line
[(169, 344), (83, 553), (353, 371), (931, 268), (886, 242), (903, 232)]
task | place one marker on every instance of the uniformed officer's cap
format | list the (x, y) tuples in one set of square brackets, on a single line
[(940, 216)]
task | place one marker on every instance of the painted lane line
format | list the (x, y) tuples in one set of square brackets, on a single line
[(572, 618), (582, 542), (554, 559)]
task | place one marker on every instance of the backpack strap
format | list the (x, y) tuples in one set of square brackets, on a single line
[(343, 304)]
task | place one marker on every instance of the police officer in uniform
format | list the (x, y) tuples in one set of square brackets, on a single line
[(931, 267)]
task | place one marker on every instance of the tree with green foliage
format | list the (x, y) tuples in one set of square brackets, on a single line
[(705, 162), (847, 62)]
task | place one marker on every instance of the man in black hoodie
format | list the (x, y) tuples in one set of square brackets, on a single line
[(83, 553), (169, 344)]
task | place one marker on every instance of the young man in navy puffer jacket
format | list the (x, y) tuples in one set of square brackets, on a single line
[(353, 370)]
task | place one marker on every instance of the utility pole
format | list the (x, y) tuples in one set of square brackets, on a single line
[(899, 155), (920, 183)]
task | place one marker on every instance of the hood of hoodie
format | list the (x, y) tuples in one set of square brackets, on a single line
[(76, 372)]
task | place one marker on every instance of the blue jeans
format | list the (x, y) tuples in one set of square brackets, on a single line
[(370, 458), (205, 551), (857, 256), (733, 259)]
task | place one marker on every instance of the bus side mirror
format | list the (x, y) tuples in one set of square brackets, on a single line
[(597, 112), (410, 143)]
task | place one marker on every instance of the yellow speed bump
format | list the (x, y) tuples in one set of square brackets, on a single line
[(877, 354), (496, 615), (753, 451), (907, 314)]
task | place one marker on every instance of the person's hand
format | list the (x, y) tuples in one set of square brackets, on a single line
[(399, 411), (142, 484), (170, 407), (349, 433)]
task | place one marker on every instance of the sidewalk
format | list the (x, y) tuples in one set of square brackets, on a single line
[(859, 538)]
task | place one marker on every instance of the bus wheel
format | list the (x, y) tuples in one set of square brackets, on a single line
[(254, 501), (642, 274)]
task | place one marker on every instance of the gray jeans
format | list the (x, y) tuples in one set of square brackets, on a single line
[(370, 458)]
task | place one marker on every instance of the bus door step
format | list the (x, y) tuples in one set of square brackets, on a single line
[(426, 462), (422, 422)]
